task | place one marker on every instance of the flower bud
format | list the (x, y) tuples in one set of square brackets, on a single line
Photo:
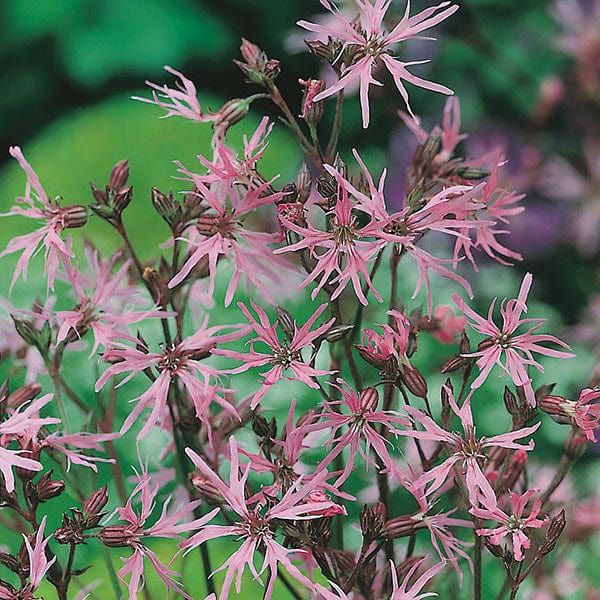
[(119, 176), (122, 199), (414, 381), (337, 332), (453, 364), (286, 322), (575, 446), (555, 529), (303, 183), (206, 489), (233, 112), (9, 561), (372, 521), (554, 406), (368, 399), (261, 427), (47, 488), (402, 526), (510, 402), (27, 331), (328, 52), (25, 393), (96, 502), (74, 216), (116, 536)]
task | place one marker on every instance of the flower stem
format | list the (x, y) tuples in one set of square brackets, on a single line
[(477, 567)]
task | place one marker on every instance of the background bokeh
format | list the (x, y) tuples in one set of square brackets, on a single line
[(70, 67)]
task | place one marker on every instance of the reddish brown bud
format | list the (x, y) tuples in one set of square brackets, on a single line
[(555, 529), (47, 488), (206, 490), (372, 522), (465, 343), (233, 112), (117, 536), (122, 199), (23, 394), (286, 321), (96, 502), (368, 399), (510, 402), (368, 356), (556, 407), (119, 176), (303, 183), (414, 381), (74, 216), (403, 526), (453, 364)]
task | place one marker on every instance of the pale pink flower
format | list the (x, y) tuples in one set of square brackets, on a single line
[(465, 450), (343, 253), (56, 219), (82, 441), (136, 528), (223, 235), (403, 591), (283, 356), (363, 421), (514, 525), (371, 44), (105, 308), (379, 348), (178, 364), (585, 411), (255, 525), (181, 102), (22, 426), (447, 212), (517, 349), (497, 205)]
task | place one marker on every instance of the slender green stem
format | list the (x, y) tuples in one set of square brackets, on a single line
[(561, 472)]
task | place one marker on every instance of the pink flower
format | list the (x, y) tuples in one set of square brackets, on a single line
[(178, 364), (104, 308), (514, 524), (466, 450), (81, 441), (361, 420), (447, 212), (135, 529), (283, 356), (343, 253), (379, 348), (56, 220), (22, 426), (255, 526), (403, 592), (222, 234), (370, 43), (517, 349), (181, 102)]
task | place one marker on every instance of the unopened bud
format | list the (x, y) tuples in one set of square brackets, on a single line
[(286, 321), (472, 173), (261, 426), (116, 536), (414, 381), (206, 489), (368, 399), (27, 331), (74, 216), (453, 364), (9, 561), (312, 112), (47, 488), (328, 52), (510, 402), (233, 112), (554, 405), (303, 183), (25, 393), (402, 527), (119, 176), (555, 529), (122, 199), (465, 343), (337, 332), (96, 502), (326, 186), (372, 521)]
